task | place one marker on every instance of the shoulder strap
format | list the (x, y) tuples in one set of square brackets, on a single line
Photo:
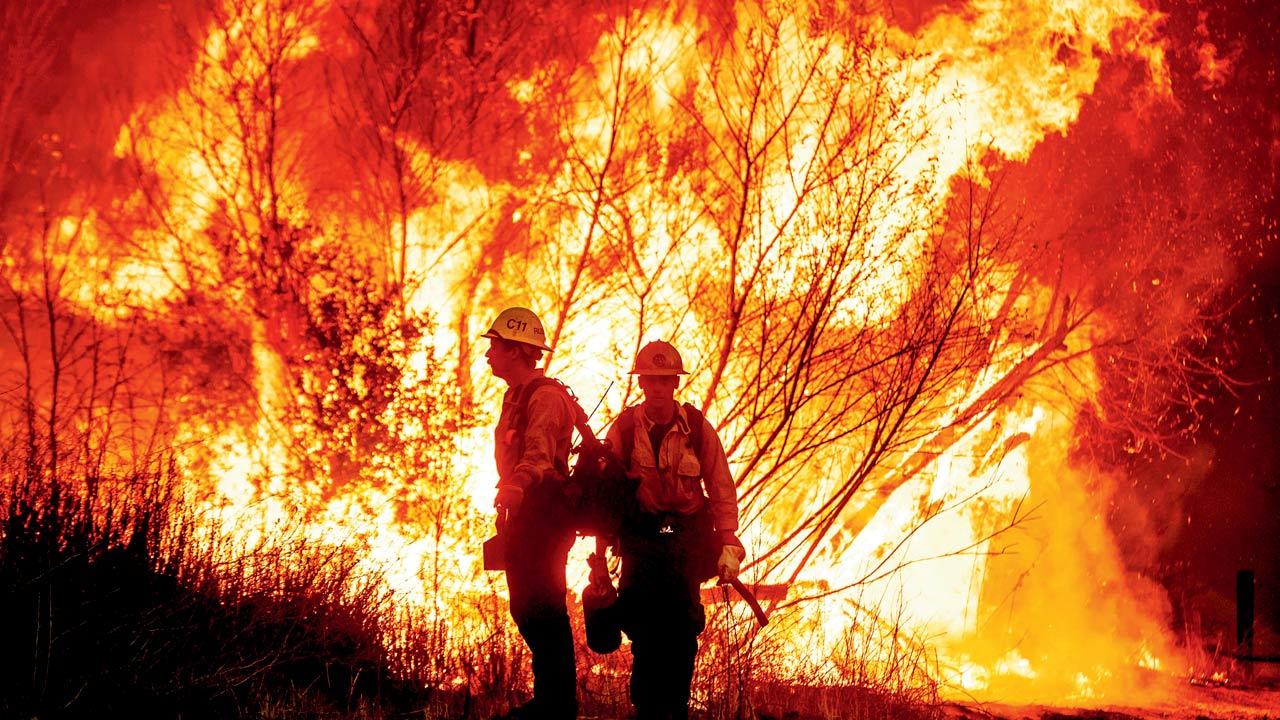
[(627, 431), (579, 415), (526, 394), (696, 422), (522, 404)]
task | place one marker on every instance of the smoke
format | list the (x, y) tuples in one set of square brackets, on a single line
[(1165, 211)]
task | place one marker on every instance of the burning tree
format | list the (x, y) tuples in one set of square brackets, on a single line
[(776, 202)]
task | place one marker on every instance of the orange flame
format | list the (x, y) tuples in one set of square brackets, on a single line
[(1044, 610)]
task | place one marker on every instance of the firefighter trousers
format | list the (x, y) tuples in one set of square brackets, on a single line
[(661, 610), (538, 543)]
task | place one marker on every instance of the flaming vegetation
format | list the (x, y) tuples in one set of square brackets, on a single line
[(265, 279)]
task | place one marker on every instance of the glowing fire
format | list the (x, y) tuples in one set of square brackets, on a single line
[(614, 215)]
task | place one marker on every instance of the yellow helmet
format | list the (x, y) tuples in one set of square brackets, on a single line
[(658, 358), (521, 325)]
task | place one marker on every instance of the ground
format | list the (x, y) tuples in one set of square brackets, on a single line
[(1198, 703)]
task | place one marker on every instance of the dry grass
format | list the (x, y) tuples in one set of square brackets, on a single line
[(117, 609), (123, 607), (791, 669)]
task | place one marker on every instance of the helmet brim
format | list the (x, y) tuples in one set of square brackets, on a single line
[(493, 335)]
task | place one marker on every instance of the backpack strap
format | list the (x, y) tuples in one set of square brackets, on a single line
[(579, 415), (626, 423), (519, 420), (696, 421)]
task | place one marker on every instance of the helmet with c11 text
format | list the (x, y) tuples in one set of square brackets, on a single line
[(517, 324)]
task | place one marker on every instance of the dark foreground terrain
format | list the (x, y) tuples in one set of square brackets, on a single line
[(1197, 703)]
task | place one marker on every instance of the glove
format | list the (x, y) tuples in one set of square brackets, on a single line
[(599, 575), (508, 501), (731, 557)]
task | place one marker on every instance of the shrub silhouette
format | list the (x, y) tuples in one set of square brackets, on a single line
[(115, 609)]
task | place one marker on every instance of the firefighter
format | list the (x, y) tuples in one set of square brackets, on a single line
[(681, 534), (532, 444)]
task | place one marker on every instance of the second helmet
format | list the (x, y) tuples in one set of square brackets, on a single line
[(658, 358)]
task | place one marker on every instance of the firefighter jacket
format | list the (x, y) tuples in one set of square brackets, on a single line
[(673, 482), (533, 445)]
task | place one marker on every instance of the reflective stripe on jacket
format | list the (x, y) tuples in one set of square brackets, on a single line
[(547, 433), (674, 481)]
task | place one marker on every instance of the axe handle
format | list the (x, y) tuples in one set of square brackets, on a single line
[(750, 598)]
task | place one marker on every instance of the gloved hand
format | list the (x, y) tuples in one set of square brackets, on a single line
[(731, 557), (508, 501), (599, 575)]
